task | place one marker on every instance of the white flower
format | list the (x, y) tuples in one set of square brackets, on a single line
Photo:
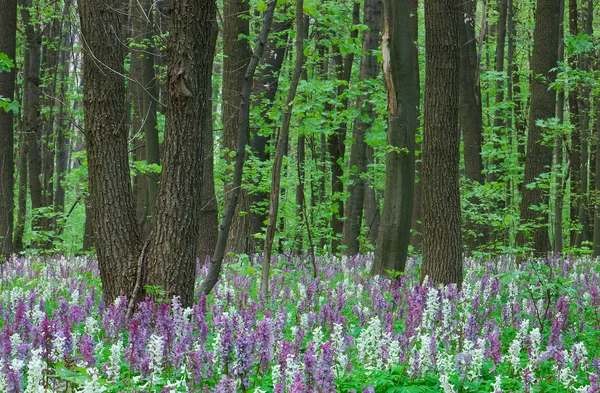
[(92, 386), (15, 342), (155, 350), (514, 350), (431, 308), (476, 361), (58, 348), (425, 352), (536, 339), (497, 386), (91, 326), (113, 371), (368, 345), (291, 368), (446, 385), (339, 346), (317, 337), (276, 374), (35, 370)]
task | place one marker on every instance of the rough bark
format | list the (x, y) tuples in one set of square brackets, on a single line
[(172, 253), (358, 153), (543, 105), (442, 249), (400, 82), (575, 150), (8, 29), (236, 56), (558, 146), (116, 236), (597, 177)]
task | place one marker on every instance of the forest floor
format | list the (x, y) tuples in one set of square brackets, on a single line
[(533, 328)]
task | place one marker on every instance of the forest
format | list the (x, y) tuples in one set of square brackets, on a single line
[(286, 196)]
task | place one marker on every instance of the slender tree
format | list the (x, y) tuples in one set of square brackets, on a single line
[(442, 248), (8, 29), (543, 106), (358, 153)]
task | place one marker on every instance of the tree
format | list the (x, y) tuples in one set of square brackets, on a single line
[(8, 30), (401, 85), (442, 249), (543, 103), (236, 57), (358, 153), (168, 258)]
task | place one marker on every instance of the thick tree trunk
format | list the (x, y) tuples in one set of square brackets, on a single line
[(558, 146), (8, 29), (236, 56), (358, 153), (371, 204), (543, 106), (401, 86), (116, 236), (470, 114), (191, 46), (442, 248)]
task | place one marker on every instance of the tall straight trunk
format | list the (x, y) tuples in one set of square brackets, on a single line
[(135, 92), (8, 30), (558, 145), (371, 204), (264, 91), (31, 112), (442, 248), (282, 141), (22, 196), (236, 52), (597, 176), (584, 103), (150, 100), (209, 209), (401, 86), (62, 137), (337, 140), (575, 150), (499, 116), (358, 153), (470, 113), (417, 214), (543, 106)]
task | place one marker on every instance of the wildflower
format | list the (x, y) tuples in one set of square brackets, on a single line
[(35, 370), (497, 385), (92, 386), (155, 350), (113, 371), (445, 384)]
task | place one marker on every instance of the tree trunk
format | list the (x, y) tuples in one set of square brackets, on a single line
[(543, 106), (358, 153), (558, 145), (575, 150), (22, 197), (264, 91), (31, 113), (371, 204), (8, 29), (400, 82), (282, 141), (337, 139), (442, 249), (417, 214), (209, 218), (470, 115), (597, 177), (114, 224), (62, 137), (236, 56)]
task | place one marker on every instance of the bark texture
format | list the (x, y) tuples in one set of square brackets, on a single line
[(543, 103), (442, 249), (116, 236), (8, 29), (190, 50)]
